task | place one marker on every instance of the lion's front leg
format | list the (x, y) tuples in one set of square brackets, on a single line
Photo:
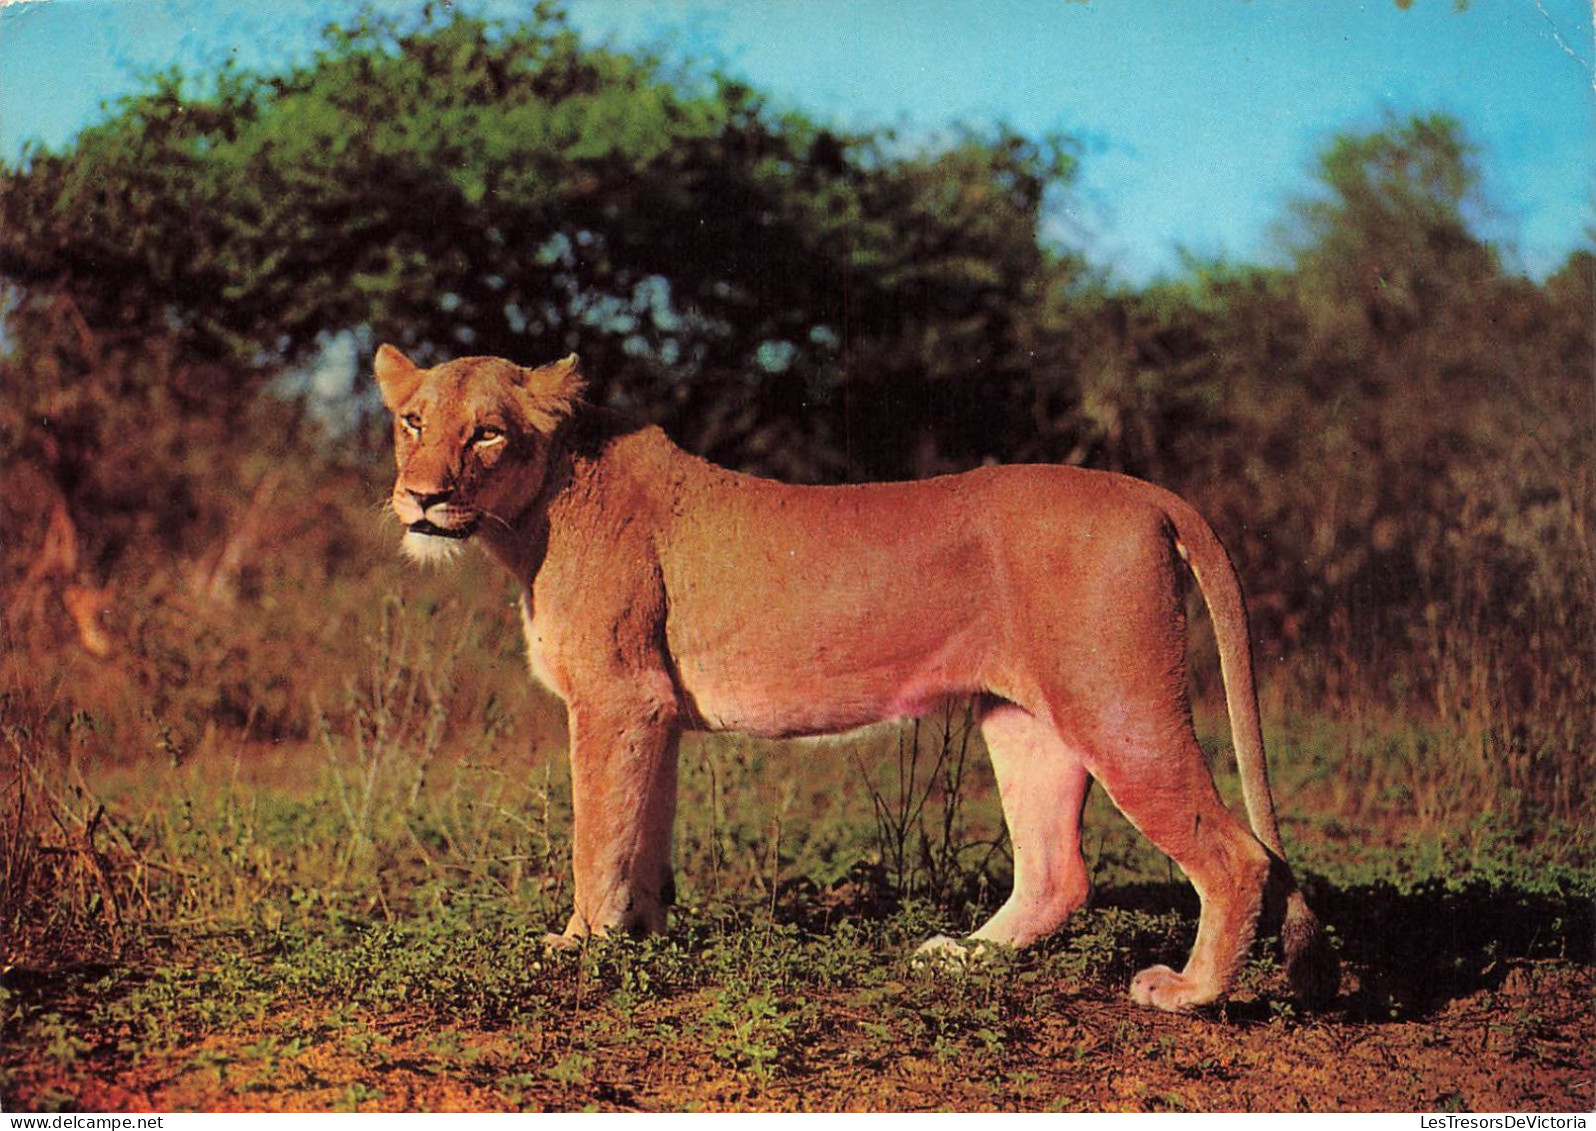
[(623, 792)]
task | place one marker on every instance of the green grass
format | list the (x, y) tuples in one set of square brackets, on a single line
[(382, 880)]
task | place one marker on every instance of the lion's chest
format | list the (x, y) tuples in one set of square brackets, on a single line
[(543, 653)]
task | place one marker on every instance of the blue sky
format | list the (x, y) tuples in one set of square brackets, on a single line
[(1203, 116)]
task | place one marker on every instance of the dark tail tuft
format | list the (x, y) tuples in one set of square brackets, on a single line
[(1311, 964)]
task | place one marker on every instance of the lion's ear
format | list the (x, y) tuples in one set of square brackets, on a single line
[(550, 393), (397, 376)]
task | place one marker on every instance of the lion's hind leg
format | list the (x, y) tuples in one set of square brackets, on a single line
[(1170, 796), (1043, 787)]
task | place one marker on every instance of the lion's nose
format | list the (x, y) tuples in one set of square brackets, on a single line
[(429, 499)]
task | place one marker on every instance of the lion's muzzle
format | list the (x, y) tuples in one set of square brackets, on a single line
[(434, 514), (434, 535)]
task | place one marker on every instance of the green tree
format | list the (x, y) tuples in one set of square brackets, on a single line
[(1440, 407), (943, 260), (460, 186)]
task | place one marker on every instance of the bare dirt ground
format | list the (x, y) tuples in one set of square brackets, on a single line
[(1523, 1046)]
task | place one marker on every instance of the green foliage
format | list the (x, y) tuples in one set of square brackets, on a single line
[(1390, 244), (459, 186)]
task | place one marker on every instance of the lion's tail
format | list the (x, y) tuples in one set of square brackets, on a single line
[(1311, 964)]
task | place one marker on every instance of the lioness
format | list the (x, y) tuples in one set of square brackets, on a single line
[(663, 594)]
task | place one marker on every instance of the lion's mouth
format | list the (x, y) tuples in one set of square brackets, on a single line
[(433, 530)]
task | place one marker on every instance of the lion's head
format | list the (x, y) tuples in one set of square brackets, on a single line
[(471, 442)]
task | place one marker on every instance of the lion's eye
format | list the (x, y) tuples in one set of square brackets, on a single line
[(486, 435), (412, 423)]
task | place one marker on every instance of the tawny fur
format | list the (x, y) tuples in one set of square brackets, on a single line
[(665, 594)]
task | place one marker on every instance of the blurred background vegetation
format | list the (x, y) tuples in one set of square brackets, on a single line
[(1392, 431)]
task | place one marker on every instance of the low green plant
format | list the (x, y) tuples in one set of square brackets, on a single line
[(923, 834)]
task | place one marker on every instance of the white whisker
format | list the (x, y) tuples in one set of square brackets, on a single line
[(503, 523)]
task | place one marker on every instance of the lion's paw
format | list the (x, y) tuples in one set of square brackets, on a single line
[(552, 941), (948, 953), (1159, 987)]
